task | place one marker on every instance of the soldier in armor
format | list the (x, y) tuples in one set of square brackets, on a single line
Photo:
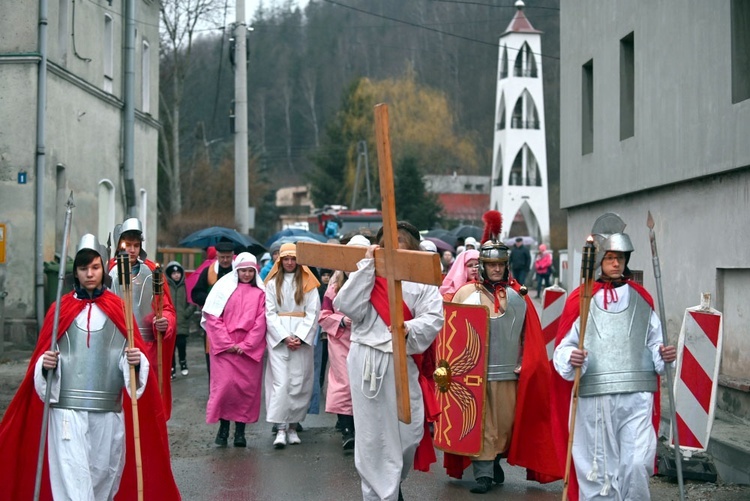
[(145, 309), (614, 438), (513, 424), (89, 427)]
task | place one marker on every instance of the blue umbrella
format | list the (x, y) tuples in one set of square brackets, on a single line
[(208, 237), (295, 232)]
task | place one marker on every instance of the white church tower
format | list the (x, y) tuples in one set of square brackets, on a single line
[(519, 159)]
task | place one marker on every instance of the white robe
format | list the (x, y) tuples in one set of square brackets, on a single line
[(384, 446), (289, 374), (86, 450), (614, 430)]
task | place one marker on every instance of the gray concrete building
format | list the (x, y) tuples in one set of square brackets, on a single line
[(655, 98), (83, 147)]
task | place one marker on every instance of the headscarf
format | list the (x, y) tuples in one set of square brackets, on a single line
[(309, 282), (457, 276), (226, 285)]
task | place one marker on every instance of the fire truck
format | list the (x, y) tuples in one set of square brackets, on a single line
[(335, 221)]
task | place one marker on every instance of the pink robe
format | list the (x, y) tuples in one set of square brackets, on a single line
[(236, 380), (338, 395)]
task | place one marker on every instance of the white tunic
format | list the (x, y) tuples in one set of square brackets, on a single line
[(384, 446), (86, 450), (613, 431), (289, 374)]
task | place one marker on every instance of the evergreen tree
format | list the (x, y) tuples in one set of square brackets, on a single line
[(413, 202)]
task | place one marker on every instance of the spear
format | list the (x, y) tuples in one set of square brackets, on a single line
[(588, 265), (55, 327), (123, 273), (667, 368), (157, 278)]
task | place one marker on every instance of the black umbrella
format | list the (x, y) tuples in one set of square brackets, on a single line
[(444, 235), (467, 230), (208, 237)]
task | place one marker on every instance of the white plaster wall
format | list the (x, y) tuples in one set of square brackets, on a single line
[(685, 123)]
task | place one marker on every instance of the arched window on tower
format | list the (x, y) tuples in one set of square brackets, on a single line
[(516, 172), (504, 63), (525, 115), (525, 65), (501, 113), (533, 176), (498, 177)]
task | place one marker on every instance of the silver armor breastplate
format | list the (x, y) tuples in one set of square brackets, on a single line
[(91, 379), (619, 360), (505, 336), (143, 293)]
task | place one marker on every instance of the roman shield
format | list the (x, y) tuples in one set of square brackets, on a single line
[(461, 377)]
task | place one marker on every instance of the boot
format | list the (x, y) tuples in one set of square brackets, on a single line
[(239, 435), (497, 471), (183, 368), (223, 435), (484, 484)]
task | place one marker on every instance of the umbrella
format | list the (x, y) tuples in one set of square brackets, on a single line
[(441, 245), (527, 240), (467, 230), (293, 239), (211, 236), (444, 235), (295, 232)]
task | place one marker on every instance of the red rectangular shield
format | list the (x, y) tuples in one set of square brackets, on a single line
[(460, 378)]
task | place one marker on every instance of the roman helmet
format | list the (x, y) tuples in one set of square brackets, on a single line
[(609, 237), (493, 250)]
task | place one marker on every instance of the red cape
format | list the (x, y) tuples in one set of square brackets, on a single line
[(425, 453), (562, 390), (22, 422), (168, 341), (531, 444)]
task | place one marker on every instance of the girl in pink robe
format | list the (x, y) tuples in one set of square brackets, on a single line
[(339, 329), (234, 318)]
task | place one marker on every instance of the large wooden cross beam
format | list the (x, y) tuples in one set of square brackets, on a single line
[(391, 263)]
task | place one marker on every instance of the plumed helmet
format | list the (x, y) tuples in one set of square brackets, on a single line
[(609, 236), (492, 250)]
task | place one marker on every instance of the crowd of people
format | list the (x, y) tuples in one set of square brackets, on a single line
[(285, 331)]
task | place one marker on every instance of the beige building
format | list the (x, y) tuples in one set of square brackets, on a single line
[(80, 147)]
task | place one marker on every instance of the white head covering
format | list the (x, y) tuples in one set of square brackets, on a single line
[(359, 241), (226, 285), (471, 241), (428, 246)]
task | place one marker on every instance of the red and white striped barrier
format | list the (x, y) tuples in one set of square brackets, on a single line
[(698, 357), (553, 302)]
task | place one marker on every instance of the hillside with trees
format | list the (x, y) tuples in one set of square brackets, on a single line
[(313, 77)]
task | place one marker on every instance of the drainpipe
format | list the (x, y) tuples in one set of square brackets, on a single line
[(3, 294), (129, 110), (39, 171)]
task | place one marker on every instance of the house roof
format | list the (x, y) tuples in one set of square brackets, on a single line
[(465, 206)]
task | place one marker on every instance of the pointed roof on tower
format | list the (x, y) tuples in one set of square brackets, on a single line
[(520, 24)]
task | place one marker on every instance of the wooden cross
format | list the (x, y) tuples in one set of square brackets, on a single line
[(391, 263)]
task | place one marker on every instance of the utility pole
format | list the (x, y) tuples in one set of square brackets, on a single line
[(241, 202)]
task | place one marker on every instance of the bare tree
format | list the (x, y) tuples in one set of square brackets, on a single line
[(309, 91), (179, 22)]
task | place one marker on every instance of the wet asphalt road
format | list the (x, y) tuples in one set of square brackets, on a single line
[(318, 469)]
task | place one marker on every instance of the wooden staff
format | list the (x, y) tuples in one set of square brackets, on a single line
[(123, 271), (588, 265), (157, 277), (55, 327)]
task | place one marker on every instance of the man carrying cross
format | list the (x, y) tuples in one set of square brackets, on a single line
[(384, 447)]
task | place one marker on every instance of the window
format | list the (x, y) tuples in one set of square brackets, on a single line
[(504, 63), (109, 53), (587, 108), (627, 87), (740, 20), (62, 31), (499, 166), (525, 65), (501, 113), (106, 209), (146, 78)]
